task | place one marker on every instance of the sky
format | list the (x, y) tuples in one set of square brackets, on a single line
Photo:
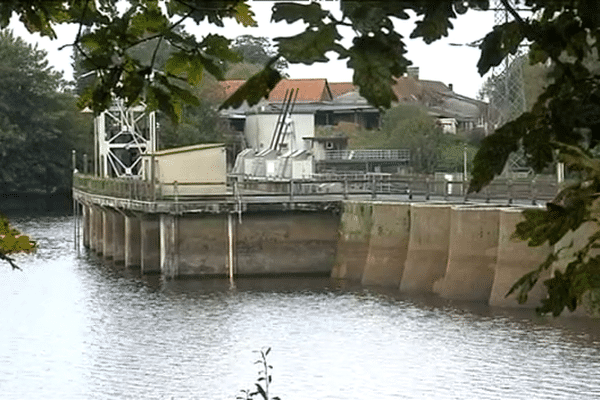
[(439, 61)]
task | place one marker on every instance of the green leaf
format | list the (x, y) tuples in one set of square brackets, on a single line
[(148, 21), (177, 63), (195, 71), (373, 13), (244, 16), (159, 98), (496, 45), (254, 89), (261, 391), (376, 61), (495, 149), (220, 47), (436, 21), (310, 46), (312, 13)]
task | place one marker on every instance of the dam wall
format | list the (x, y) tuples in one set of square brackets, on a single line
[(215, 244), (458, 251)]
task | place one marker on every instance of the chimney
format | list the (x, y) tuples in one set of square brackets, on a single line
[(413, 72), (451, 87)]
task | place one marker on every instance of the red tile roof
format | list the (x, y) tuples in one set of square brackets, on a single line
[(340, 88), (407, 89), (230, 86), (310, 90)]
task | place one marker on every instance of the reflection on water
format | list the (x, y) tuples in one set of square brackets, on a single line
[(74, 327)]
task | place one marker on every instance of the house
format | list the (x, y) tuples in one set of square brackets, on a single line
[(453, 111), (261, 124), (319, 103)]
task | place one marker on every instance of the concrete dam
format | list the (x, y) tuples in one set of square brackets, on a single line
[(458, 251)]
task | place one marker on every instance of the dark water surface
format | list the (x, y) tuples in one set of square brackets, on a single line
[(73, 327)]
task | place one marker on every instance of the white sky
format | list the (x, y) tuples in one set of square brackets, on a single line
[(439, 61)]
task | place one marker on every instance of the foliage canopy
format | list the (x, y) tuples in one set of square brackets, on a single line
[(39, 123)]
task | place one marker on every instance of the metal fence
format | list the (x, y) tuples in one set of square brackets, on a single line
[(397, 155), (128, 188), (411, 188), (331, 187)]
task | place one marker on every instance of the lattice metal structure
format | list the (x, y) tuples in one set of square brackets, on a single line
[(122, 135), (508, 98)]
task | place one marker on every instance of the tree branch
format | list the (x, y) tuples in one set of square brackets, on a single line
[(160, 39), (162, 35), (513, 12), (9, 260)]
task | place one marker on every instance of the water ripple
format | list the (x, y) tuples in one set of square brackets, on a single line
[(76, 327)]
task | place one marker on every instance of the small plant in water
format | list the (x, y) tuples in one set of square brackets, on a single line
[(264, 379)]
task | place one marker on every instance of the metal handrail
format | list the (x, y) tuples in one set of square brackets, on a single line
[(371, 154), (373, 185)]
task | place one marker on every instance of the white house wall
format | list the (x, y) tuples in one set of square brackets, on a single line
[(260, 127)]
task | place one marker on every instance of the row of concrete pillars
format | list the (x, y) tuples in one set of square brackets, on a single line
[(126, 239), (204, 244), (147, 241)]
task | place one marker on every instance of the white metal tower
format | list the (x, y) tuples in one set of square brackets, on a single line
[(122, 135)]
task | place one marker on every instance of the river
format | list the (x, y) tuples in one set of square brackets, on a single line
[(76, 327)]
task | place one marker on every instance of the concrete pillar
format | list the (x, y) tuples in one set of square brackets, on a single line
[(472, 254), (353, 243), (132, 242), (97, 230), (150, 244), (107, 234), (93, 228), (169, 246), (515, 259), (85, 219), (388, 244), (427, 255), (118, 226)]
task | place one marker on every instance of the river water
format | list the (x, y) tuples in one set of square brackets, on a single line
[(75, 327)]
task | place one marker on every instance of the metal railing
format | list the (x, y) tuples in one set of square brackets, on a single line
[(128, 188), (361, 155), (328, 188), (410, 188)]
